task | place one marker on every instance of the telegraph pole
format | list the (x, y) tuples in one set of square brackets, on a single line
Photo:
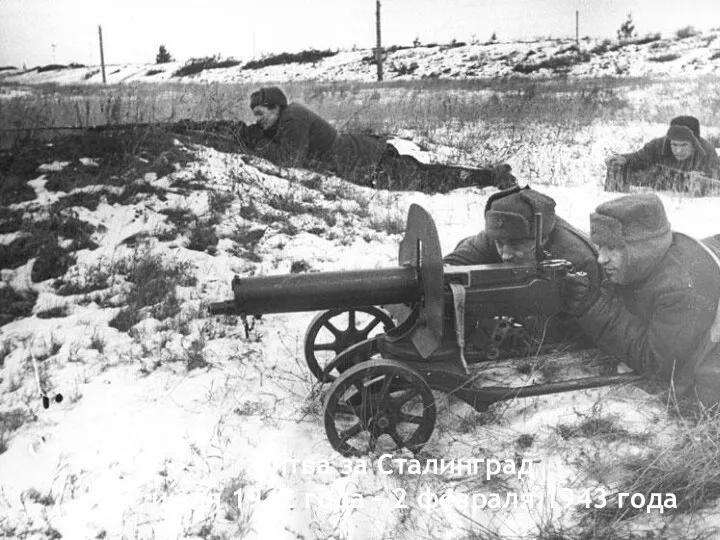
[(577, 27), (378, 48), (102, 55)]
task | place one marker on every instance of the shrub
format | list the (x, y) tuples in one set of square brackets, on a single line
[(403, 69), (54, 312), (664, 58), (454, 43), (52, 262), (153, 285), (51, 67), (10, 421), (163, 56), (15, 304), (15, 189), (686, 32), (715, 55), (556, 63), (151, 72), (648, 38), (627, 29), (94, 278), (203, 238), (7, 68), (303, 57), (10, 220), (196, 65), (602, 47)]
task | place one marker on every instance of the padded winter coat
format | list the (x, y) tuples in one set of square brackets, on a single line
[(302, 138), (658, 153), (660, 323)]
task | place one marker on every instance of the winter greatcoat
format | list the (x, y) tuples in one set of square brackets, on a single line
[(657, 154), (301, 138), (659, 323)]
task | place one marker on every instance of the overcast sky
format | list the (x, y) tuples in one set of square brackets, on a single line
[(38, 32)]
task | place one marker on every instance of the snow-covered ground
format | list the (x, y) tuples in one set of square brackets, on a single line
[(665, 56), (144, 447)]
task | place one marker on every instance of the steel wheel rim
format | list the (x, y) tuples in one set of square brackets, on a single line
[(342, 337), (379, 405)]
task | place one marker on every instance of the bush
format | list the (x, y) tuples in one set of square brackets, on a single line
[(53, 312), (649, 38), (602, 47), (303, 57), (163, 56), (15, 305), (150, 72), (51, 67), (715, 55), (403, 69), (203, 238), (627, 29), (686, 32), (153, 286), (556, 63), (454, 43), (664, 58), (7, 68), (196, 65)]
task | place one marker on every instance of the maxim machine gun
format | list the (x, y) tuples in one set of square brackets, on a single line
[(382, 384)]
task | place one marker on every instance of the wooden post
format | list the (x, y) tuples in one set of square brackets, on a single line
[(577, 27), (102, 55), (378, 48)]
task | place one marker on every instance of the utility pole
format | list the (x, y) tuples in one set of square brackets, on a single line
[(378, 48), (102, 55), (577, 27)]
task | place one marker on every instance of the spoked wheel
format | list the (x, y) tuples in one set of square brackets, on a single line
[(333, 331), (379, 405)]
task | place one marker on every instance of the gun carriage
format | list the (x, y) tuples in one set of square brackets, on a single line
[(382, 384)]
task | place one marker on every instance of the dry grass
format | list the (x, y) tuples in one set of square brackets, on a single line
[(423, 105)]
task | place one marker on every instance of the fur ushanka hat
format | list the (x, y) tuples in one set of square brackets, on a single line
[(636, 223), (510, 214), (270, 96)]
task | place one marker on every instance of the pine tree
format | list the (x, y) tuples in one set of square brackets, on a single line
[(163, 56), (627, 29)]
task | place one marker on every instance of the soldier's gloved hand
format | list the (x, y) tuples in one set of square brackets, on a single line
[(250, 135), (616, 160), (502, 177), (578, 294)]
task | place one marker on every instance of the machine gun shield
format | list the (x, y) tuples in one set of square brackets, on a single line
[(421, 247)]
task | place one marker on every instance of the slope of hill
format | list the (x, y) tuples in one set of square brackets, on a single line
[(649, 56), (176, 424)]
